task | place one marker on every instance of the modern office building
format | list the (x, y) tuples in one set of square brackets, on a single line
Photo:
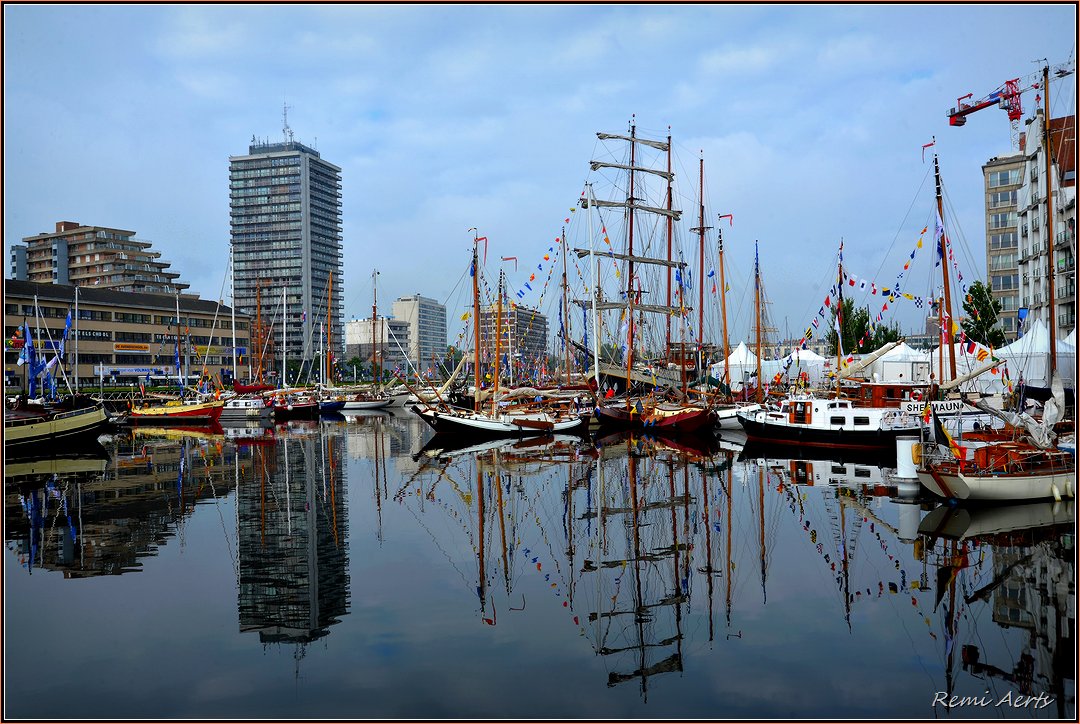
[(122, 336), (391, 337), (1002, 181), (427, 320), (97, 256), (524, 333), (285, 218), (1033, 261)]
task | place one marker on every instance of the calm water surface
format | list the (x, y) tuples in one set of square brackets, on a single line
[(352, 570)]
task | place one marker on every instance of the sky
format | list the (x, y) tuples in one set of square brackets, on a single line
[(810, 120)]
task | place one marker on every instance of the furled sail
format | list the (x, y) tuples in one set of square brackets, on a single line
[(597, 165), (636, 259), (658, 308), (660, 145), (673, 213)]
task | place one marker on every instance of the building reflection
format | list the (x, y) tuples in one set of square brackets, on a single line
[(92, 516), (293, 526)]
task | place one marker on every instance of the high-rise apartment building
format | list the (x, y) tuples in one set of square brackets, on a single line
[(285, 217), (427, 321), (1002, 181), (97, 256), (1033, 262)]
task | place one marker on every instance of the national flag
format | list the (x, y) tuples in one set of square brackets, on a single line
[(983, 354), (970, 347), (926, 412), (942, 436)]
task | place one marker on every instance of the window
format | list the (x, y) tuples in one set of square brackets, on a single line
[(836, 420), (1004, 240), (999, 199), (1003, 282), (860, 420), (1002, 261), (1003, 220), (1004, 178)]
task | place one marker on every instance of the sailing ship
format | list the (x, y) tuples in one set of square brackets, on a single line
[(500, 420), (643, 405)]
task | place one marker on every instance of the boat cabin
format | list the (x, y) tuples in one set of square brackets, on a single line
[(890, 394), (825, 413)]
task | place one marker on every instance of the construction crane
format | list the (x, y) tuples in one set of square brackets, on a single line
[(1007, 97)]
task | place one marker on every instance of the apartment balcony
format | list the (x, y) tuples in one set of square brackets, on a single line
[(1066, 264), (1066, 321)]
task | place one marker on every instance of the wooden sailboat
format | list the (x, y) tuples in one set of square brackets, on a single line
[(498, 421), (670, 412), (183, 411)]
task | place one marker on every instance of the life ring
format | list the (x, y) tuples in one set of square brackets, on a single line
[(916, 395)]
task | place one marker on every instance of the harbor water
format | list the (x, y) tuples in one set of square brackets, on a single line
[(356, 568)]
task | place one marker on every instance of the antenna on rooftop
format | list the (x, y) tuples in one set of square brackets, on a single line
[(285, 123)]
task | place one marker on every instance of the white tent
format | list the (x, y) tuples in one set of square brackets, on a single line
[(808, 361), (1030, 355), (902, 362), (742, 363)]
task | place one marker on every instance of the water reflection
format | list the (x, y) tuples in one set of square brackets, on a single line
[(116, 511), (292, 521), (647, 569)]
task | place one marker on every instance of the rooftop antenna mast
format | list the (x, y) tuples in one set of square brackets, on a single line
[(286, 131)]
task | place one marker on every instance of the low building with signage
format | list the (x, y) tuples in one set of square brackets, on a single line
[(121, 337)]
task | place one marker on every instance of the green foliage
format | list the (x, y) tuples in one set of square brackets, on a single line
[(855, 324), (981, 316)]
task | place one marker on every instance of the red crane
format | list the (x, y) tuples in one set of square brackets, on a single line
[(1007, 97)]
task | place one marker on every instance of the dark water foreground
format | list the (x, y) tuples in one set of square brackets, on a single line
[(346, 570)]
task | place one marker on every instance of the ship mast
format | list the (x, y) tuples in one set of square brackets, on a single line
[(566, 309), (723, 297), (947, 309), (757, 321), (1048, 147), (630, 264), (670, 222), (498, 335), (476, 322)]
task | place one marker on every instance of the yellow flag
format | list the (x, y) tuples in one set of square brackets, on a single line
[(464, 316), (919, 245)]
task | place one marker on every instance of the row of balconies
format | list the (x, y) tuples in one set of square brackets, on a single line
[(1066, 320)]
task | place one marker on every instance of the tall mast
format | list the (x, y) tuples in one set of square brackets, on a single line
[(566, 309), (178, 373), (596, 292), (1048, 149), (476, 326), (232, 311), (498, 334), (374, 311), (630, 264), (757, 321), (701, 251), (259, 328), (723, 298), (839, 314), (944, 273), (329, 331), (77, 340), (284, 340), (670, 222)]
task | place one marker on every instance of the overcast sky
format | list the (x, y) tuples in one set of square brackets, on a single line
[(810, 119)]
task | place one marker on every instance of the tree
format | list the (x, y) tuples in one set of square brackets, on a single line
[(981, 321), (855, 323)]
